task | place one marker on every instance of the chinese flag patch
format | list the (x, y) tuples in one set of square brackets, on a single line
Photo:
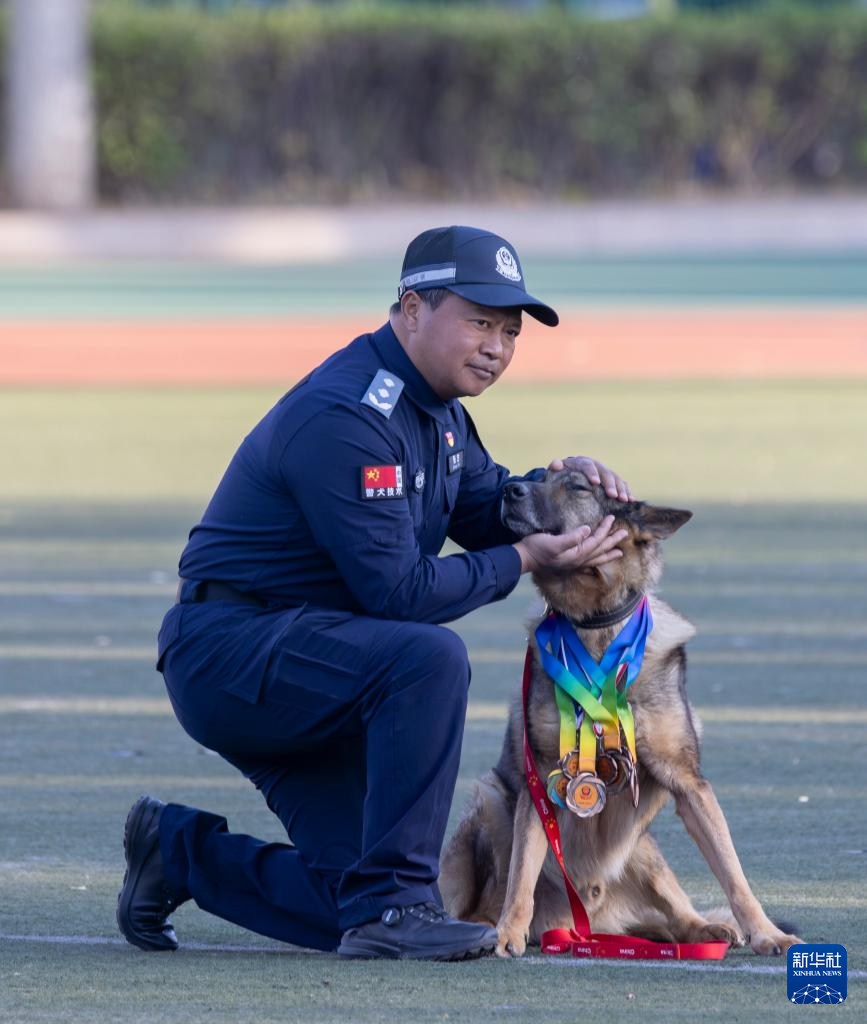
[(382, 482)]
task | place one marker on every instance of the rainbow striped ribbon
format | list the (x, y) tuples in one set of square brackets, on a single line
[(587, 692)]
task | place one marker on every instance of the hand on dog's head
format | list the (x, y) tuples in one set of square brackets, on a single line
[(565, 500)]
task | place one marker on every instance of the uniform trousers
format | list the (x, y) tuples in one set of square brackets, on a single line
[(354, 741)]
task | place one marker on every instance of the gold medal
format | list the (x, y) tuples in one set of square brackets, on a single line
[(606, 768), (614, 770), (557, 785), (585, 795), (570, 762)]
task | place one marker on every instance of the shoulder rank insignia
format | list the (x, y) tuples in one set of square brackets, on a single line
[(383, 392), (382, 482)]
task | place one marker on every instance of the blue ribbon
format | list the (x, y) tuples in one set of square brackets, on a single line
[(579, 667)]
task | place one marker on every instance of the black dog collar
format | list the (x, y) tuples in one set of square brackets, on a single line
[(622, 611)]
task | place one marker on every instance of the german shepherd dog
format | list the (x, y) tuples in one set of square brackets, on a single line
[(497, 867)]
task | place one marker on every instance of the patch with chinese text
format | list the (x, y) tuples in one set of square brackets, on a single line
[(382, 482)]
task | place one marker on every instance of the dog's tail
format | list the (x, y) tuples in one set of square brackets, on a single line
[(468, 868), (459, 881)]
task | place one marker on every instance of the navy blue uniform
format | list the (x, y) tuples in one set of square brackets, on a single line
[(339, 695)]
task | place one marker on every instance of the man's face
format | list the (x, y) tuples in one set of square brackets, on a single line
[(459, 348)]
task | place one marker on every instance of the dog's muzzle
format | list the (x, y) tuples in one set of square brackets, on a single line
[(512, 515)]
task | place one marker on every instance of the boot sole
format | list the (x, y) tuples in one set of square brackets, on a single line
[(390, 953), (131, 829)]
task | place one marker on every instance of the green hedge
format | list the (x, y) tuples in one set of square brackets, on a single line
[(339, 102)]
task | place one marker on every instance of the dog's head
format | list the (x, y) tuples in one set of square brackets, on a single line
[(565, 500)]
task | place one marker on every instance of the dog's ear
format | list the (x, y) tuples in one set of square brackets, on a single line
[(656, 523)]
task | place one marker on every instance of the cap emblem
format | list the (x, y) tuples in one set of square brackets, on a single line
[(507, 265)]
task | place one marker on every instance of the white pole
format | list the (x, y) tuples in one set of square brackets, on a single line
[(50, 135)]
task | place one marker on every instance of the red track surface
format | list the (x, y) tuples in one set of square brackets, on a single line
[(650, 343)]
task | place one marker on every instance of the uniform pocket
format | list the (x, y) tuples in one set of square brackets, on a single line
[(312, 661), (453, 485), (169, 632)]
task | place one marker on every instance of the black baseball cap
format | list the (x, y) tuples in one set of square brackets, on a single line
[(472, 263)]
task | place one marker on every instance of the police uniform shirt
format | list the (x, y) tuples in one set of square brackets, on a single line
[(343, 495)]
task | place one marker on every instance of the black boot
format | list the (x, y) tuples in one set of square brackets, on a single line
[(144, 903), (423, 931)]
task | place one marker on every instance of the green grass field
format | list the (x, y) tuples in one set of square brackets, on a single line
[(795, 442), (99, 491)]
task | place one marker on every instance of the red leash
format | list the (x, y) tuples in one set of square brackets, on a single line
[(580, 940)]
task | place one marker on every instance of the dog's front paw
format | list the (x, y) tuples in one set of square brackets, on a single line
[(511, 941), (774, 944), (715, 931)]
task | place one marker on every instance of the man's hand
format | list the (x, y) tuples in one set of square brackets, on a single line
[(577, 549), (596, 473)]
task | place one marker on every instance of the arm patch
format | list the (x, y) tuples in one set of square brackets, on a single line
[(379, 482)]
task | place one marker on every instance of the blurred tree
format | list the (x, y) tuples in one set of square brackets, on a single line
[(721, 5), (50, 121)]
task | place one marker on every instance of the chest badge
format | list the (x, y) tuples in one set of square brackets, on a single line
[(418, 481), (383, 392), (450, 439), (455, 461)]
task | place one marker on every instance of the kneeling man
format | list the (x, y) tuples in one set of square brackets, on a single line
[(307, 645)]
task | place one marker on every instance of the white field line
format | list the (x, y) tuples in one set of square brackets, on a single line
[(136, 588), (85, 588), (561, 961), (680, 965), (156, 781), (477, 711), (102, 940), (854, 628), (77, 652), (139, 588), (87, 705), (478, 656), (496, 711), (763, 588), (497, 656)]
